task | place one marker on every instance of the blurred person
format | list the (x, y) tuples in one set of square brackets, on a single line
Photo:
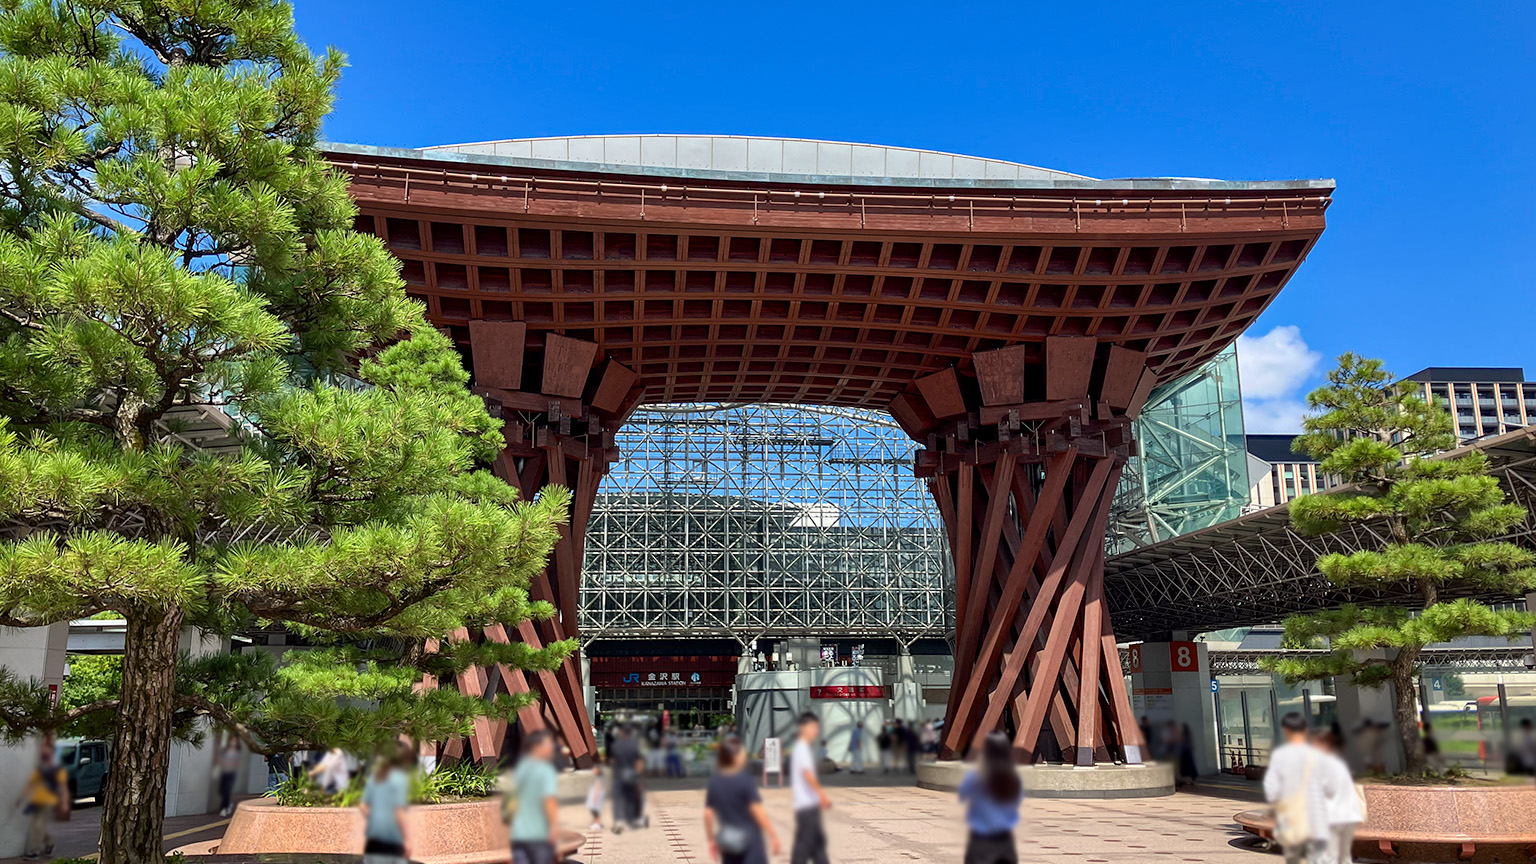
[(628, 763), (595, 798), (914, 747), (45, 796), (278, 768), (331, 771), (898, 744), (1300, 785), (883, 742), (1525, 749), (1432, 755), (734, 819), (1185, 751), (807, 796), (930, 738), (386, 794), (535, 825), (1146, 734), (674, 758), (1345, 808), (229, 769), (992, 794), (856, 749)]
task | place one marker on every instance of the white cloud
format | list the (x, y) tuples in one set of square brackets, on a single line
[(1273, 370)]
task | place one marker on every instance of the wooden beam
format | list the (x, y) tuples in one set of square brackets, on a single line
[(1067, 609), (1068, 365), (1000, 374), (956, 735), (496, 350), (941, 391), (567, 362), (613, 386), (1144, 387), (1122, 373)]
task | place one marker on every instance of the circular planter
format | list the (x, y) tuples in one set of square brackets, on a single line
[(1435, 823), (462, 832), (1152, 780)]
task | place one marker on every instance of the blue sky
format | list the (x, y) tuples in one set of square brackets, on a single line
[(1423, 113)]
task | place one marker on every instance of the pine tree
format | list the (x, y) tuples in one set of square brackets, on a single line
[(172, 241), (1440, 517)]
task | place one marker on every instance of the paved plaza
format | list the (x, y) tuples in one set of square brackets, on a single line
[(877, 819), (879, 822)]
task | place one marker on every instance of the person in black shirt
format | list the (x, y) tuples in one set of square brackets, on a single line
[(734, 818)]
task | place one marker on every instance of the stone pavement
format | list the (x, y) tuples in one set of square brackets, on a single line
[(879, 821), (883, 819)]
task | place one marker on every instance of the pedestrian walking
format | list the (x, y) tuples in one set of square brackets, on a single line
[(992, 794), (734, 819), (856, 749), (674, 757), (883, 741), (627, 764), (229, 769), (1300, 785), (595, 799), (533, 802), (44, 797), (278, 767), (386, 794), (1346, 809), (914, 747), (807, 796)]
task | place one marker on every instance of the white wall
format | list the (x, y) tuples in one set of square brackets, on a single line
[(35, 653)]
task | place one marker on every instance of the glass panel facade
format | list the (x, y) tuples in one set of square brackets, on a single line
[(1193, 468), (763, 520)]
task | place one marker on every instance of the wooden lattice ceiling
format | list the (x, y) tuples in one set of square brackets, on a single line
[(735, 291)]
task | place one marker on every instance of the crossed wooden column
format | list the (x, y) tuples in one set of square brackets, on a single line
[(560, 409), (1023, 455)]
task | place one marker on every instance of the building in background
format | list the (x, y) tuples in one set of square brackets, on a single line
[(729, 531), (1191, 471), (1485, 400), (1279, 474)]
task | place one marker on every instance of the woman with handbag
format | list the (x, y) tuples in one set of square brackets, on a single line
[(734, 818)]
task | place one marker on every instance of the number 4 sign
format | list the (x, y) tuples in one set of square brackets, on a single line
[(1184, 656)]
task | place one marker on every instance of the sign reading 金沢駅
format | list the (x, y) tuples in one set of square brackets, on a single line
[(704, 671)]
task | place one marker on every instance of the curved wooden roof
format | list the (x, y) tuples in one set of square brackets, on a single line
[(708, 287)]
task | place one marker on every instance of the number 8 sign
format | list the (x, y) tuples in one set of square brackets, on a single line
[(1184, 656)]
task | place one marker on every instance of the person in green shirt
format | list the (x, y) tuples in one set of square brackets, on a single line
[(535, 828)]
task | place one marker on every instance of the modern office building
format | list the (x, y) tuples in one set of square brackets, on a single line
[(1278, 474), (1485, 400)]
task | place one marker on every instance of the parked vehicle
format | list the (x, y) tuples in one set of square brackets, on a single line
[(85, 763)]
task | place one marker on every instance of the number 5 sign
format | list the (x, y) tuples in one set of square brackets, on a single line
[(1184, 656)]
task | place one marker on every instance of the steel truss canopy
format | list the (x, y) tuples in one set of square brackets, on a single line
[(1257, 569), (1011, 320)]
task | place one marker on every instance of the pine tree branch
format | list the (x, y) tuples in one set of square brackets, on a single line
[(224, 717), (47, 723)]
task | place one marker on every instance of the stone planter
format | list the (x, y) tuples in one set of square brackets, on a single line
[(462, 832), (1152, 780), (1481, 824)]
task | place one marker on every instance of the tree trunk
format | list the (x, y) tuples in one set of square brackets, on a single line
[(1405, 715), (133, 812)]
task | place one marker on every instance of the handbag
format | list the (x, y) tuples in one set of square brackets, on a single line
[(1291, 828), (733, 839)]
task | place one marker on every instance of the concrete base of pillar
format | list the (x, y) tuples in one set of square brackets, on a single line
[(1153, 780)]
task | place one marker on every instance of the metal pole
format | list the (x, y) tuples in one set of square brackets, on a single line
[(1242, 696)]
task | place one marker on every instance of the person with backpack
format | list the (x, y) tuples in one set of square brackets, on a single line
[(1300, 785), (734, 818), (992, 793)]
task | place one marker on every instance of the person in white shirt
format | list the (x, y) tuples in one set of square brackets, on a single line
[(810, 846), (856, 749), (331, 773), (1344, 811), (1297, 768)]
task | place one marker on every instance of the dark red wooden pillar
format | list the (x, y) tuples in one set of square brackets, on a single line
[(1024, 450)]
